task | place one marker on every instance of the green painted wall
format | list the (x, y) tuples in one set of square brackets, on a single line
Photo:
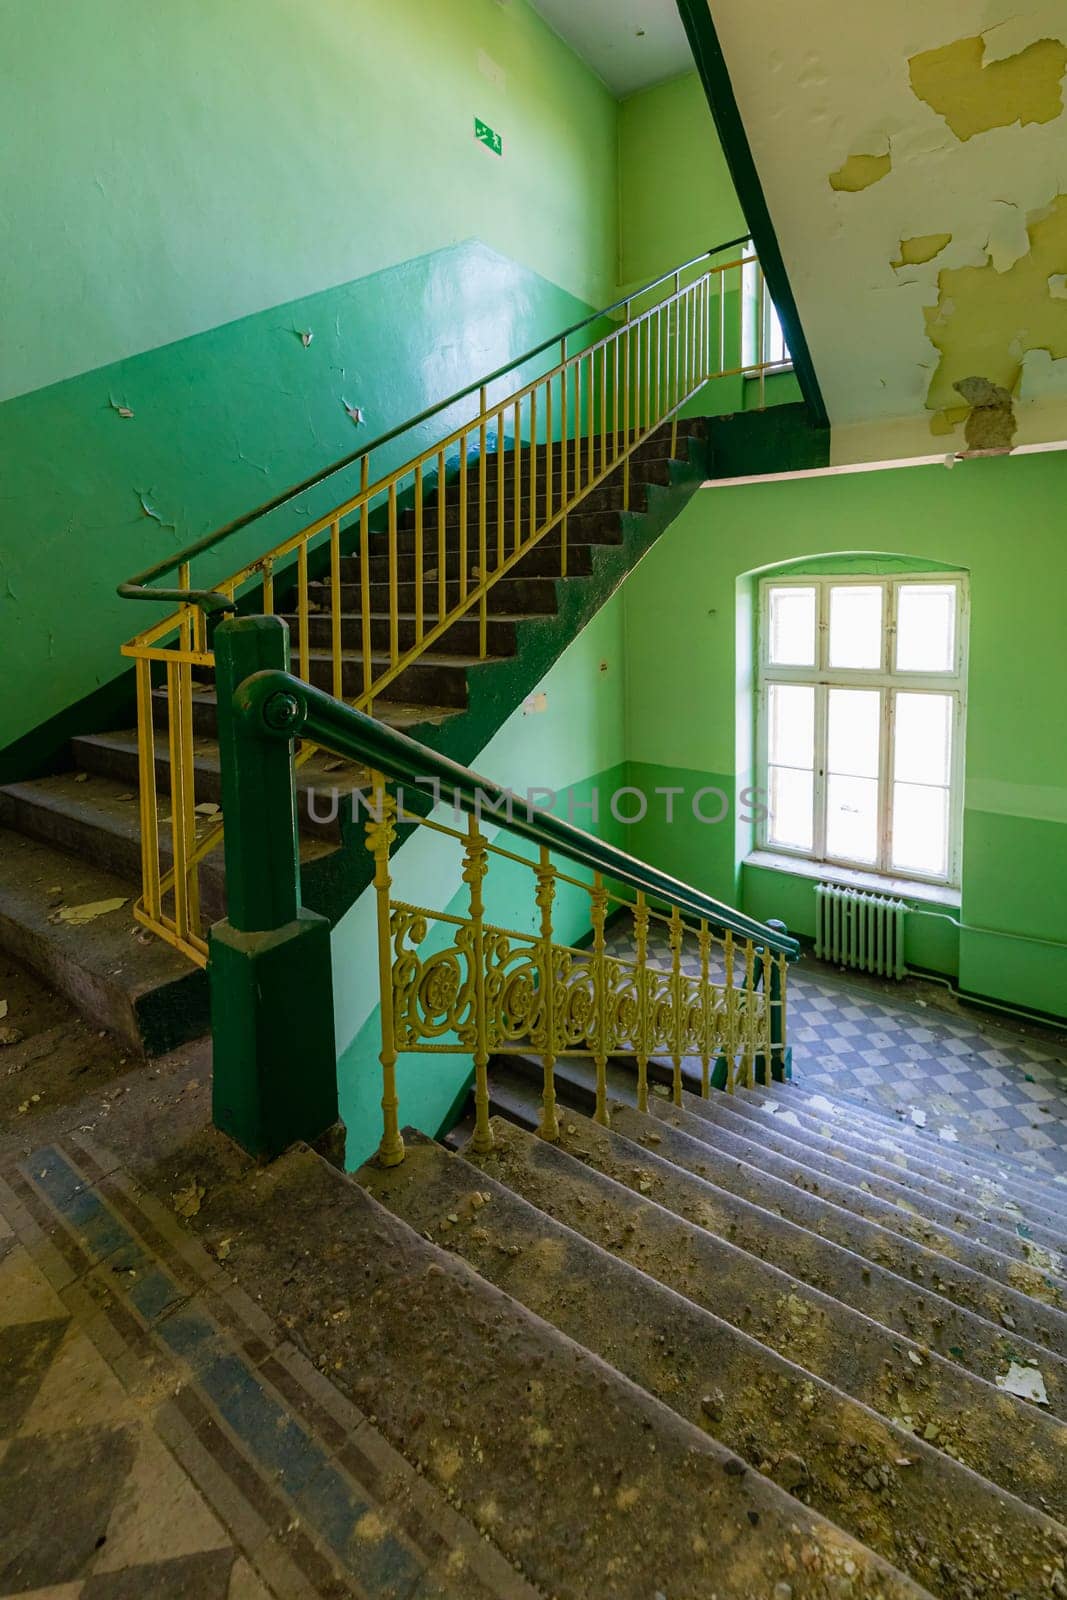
[(688, 693), (173, 213), (676, 197), (576, 745)]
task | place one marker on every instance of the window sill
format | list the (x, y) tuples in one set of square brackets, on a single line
[(935, 894)]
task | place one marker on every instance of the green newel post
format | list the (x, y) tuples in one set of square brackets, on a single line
[(275, 1064)]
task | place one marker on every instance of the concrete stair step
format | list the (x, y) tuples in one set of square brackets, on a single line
[(776, 1415), (99, 820), (436, 677), (993, 1179), (991, 1251), (1042, 1323), (462, 638), (607, 496), (783, 1133), (520, 1425), (1017, 1447), (115, 756), (918, 1309), (518, 596), (394, 713), (118, 976), (542, 561)]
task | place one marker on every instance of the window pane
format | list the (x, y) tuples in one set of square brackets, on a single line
[(924, 738), (853, 732), (926, 627), (792, 627), (852, 818), (791, 809), (791, 725), (856, 625), (920, 829)]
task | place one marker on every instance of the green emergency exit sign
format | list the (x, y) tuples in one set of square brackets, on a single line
[(485, 135)]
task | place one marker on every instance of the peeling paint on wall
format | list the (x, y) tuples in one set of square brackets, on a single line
[(987, 321), (990, 427), (974, 96), (860, 172), (915, 252)]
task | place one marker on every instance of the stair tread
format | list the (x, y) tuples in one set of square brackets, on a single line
[(786, 1136), (439, 1342), (107, 946), (1018, 1447), (111, 806), (393, 713), (992, 1252), (914, 1145), (880, 1286), (667, 1344)]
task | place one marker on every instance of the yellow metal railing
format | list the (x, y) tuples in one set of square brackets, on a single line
[(523, 462), (459, 982)]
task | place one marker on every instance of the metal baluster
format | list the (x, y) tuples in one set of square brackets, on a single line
[(546, 1033), (706, 1010), (366, 638), (517, 455), (474, 870), (442, 547), (626, 355), (643, 1018), (730, 1003), (598, 912), (380, 834), (146, 759), (463, 519), (675, 942), (335, 606), (483, 526), (750, 1014), (533, 465), (394, 581), (420, 618), (268, 596), (768, 1035), (302, 610)]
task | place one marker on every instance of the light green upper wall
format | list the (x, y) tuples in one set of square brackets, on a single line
[(170, 168), (999, 519), (676, 196)]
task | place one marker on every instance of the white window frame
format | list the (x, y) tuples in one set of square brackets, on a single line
[(774, 349), (885, 677)]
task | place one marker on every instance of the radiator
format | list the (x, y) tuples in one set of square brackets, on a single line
[(859, 930)]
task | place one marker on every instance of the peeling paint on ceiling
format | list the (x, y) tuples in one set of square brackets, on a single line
[(914, 160), (976, 97)]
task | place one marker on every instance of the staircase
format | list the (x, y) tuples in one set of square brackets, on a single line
[(72, 838), (746, 1346)]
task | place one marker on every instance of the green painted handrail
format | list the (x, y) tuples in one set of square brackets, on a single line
[(276, 705), (137, 587)]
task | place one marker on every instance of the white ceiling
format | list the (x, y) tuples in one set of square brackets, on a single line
[(628, 43), (840, 86)]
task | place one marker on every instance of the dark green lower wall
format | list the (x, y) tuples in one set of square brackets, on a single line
[(223, 422)]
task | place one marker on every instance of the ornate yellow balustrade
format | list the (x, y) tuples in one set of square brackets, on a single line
[(524, 454), (716, 998)]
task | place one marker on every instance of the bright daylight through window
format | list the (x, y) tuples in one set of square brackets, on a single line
[(861, 707)]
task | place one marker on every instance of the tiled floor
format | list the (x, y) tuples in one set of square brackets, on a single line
[(160, 1438), (947, 1076)]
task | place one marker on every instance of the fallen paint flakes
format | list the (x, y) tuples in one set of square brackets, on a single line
[(918, 1116), (187, 1200), (770, 1106), (207, 808), (1049, 1262), (78, 916), (1025, 1383), (3, 1008), (819, 1102), (948, 1136)]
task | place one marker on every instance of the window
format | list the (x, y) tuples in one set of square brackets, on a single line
[(861, 711), (757, 304)]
